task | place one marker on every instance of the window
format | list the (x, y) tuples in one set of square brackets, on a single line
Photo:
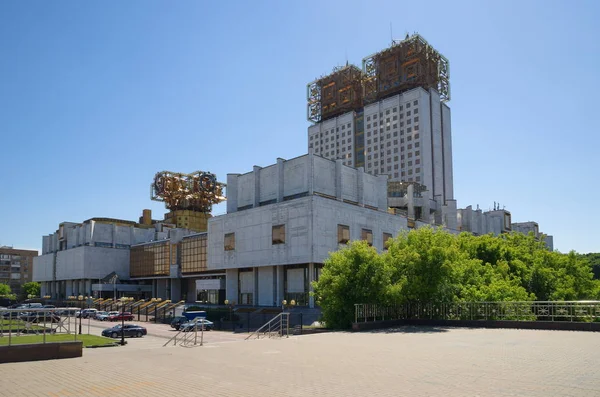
[(278, 234), (386, 237), (415, 111), (415, 103), (194, 254), (230, 242), (343, 234), (367, 235)]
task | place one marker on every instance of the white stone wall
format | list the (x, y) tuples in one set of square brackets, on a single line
[(295, 176), (43, 268), (70, 264), (83, 263), (311, 232), (253, 236)]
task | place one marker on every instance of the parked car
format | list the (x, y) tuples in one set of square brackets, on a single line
[(121, 316), (85, 313), (40, 317), (68, 312), (177, 321), (127, 330), (98, 313), (199, 322), (49, 307), (103, 316)]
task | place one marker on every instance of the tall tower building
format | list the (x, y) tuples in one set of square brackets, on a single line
[(391, 117)]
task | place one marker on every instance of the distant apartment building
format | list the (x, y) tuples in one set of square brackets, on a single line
[(16, 267)]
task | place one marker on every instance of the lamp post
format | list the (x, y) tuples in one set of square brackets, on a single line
[(123, 302), (80, 299), (230, 305)]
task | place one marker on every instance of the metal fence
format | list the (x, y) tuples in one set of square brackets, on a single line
[(580, 311), (18, 326), (250, 322)]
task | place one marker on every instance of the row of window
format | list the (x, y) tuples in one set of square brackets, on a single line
[(393, 110), (365, 234), (278, 236)]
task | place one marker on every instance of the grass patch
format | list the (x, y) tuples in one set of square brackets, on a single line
[(88, 340), (15, 325)]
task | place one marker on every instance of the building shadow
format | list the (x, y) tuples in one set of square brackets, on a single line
[(410, 329)]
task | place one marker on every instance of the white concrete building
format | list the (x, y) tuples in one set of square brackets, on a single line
[(77, 258), (497, 221), (282, 222), (407, 137)]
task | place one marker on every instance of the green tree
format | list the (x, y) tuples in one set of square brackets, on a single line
[(433, 265), (421, 261), (31, 288), (355, 274), (5, 290)]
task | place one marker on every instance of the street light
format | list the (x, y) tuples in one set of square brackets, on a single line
[(230, 305), (123, 301), (80, 299)]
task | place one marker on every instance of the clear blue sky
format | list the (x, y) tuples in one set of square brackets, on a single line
[(98, 96)]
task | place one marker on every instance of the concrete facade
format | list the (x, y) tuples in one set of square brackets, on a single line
[(78, 256), (497, 221), (407, 137), (308, 196)]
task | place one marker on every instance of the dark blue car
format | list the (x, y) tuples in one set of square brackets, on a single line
[(127, 329)]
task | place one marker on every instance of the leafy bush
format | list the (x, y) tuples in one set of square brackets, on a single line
[(433, 265)]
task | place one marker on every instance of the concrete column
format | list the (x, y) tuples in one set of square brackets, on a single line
[(231, 285), (256, 175), (338, 179), (69, 289), (232, 192), (175, 289), (410, 196), (311, 278), (310, 174), (256, 291), (280, 179), (360, 185), (426, 209), (447, 151), (449, 212), (88, 287), (280, 284)]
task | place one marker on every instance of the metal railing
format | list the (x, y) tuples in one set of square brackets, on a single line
[(581, 311), (18, 324), (189, 338), (277, 326)]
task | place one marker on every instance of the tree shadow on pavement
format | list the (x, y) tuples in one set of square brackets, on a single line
[(410, 329)]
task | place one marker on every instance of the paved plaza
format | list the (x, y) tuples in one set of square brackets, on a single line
[(406, 361)]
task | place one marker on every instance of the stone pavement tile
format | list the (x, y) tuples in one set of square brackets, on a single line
[(400, 362)]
